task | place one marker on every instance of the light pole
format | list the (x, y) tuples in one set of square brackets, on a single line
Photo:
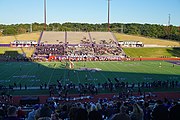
[(44, 15), (108, 15)]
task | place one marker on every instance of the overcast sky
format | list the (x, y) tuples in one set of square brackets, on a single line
[(90, 11)]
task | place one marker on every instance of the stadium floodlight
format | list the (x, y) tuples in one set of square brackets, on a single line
[(169, 26), (108, 15), (30, 28), (169, 19), (44, 15)]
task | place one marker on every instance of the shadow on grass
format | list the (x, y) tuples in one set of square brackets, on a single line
[(174, 52), (12, 56)]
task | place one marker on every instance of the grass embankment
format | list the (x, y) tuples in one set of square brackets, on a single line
[(152, 52), (27, 36), (146, 40), (8, 39)]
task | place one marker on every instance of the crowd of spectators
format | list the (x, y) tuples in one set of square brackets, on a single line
[(84, 49), (107, 50), (123, 106), (55, 49), (103, 109), (79, 51)]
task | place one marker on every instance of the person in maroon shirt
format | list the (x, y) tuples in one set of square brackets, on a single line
[(20, 113)]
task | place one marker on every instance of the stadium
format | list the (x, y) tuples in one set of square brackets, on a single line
[(104, 74)]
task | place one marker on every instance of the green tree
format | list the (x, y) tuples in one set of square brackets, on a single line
[(9, 31)]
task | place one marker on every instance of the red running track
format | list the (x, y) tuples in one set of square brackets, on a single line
[(160, 95)]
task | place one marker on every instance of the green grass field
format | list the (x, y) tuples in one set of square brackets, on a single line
[(152, 52), (34, 74)]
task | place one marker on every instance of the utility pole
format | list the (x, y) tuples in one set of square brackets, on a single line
[(169, 20), (169, 27), (122, 29), (30, 28), (108, 15), (44, 15)]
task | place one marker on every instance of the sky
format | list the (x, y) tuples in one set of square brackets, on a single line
[(90, 11)]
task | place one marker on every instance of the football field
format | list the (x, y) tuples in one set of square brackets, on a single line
[(33, 74)]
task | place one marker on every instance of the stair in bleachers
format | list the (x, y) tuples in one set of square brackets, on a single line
[(40, 37), (115, 39)]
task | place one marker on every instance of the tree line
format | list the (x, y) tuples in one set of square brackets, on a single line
[(148, 30)]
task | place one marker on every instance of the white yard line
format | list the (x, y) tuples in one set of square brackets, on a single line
[(20, 79), (130, 69), (51, 76), (92, 78), (59, 68), (100, 72), (155, 69), (111, 69), (12, 75), (4, 71), (76, 72), (78, 76), (165, 69), (64, 78)]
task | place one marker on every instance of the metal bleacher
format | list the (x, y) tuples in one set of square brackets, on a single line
[(100, 36), (76, 37), (52, 37)]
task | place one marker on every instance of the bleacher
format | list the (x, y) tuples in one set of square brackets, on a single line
[(79, 44), (77, 37), (102, 37), (52, 37)]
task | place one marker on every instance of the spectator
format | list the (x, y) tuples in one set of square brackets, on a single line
[(44, 118), (94, 114), (147, 111), (121, 116), (175, 112), (20, 113), (137, 113), (72, 113), (81, 114), (12, 113), (160, 112), (44, 112), (55, 116), (31, 115), (64, 113), (2, 113)]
